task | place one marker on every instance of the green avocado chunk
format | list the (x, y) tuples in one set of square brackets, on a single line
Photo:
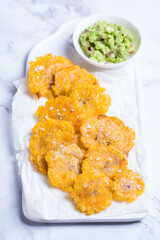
[(107, 42)]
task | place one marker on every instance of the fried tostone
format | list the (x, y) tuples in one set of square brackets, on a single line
[(77, 83), (127, 186), (64, 164), (68, 78), (107, 130), (107, 159), (42, 74), (61, 108), (92, 100), (49, 135), (91, 192)]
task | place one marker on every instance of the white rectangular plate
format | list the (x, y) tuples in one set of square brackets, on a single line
[(43, 203)]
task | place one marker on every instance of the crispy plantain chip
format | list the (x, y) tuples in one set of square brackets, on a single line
[(91, 192), (107, 130), (68, 78), (42, 74), (49, 135), (61, 108), (127, 186), (107, 159), (92, 100), (64, 164)]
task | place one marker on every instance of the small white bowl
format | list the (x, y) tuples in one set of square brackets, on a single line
[(109, 19)]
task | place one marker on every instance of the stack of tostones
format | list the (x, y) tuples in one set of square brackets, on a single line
[(82, 151)]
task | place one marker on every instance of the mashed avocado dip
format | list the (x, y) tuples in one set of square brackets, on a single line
[(107, 43)]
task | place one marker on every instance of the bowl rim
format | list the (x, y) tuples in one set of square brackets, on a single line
[(105, 65)]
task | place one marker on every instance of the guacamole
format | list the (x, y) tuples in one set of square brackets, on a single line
[(107, 42)]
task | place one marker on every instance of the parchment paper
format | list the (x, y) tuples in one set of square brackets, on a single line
[(43, 202)]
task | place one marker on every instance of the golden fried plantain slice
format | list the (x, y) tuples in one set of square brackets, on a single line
[(64, 164), (61, 108), (68, 78), (107, 159), (92, 100), (49, 135), (127, 186), (42, 74), (107, 130), (91, 192)]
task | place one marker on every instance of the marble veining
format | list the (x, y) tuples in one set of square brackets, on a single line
[(23, 24)]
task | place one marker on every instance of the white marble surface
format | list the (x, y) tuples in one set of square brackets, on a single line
[(22, 24)]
